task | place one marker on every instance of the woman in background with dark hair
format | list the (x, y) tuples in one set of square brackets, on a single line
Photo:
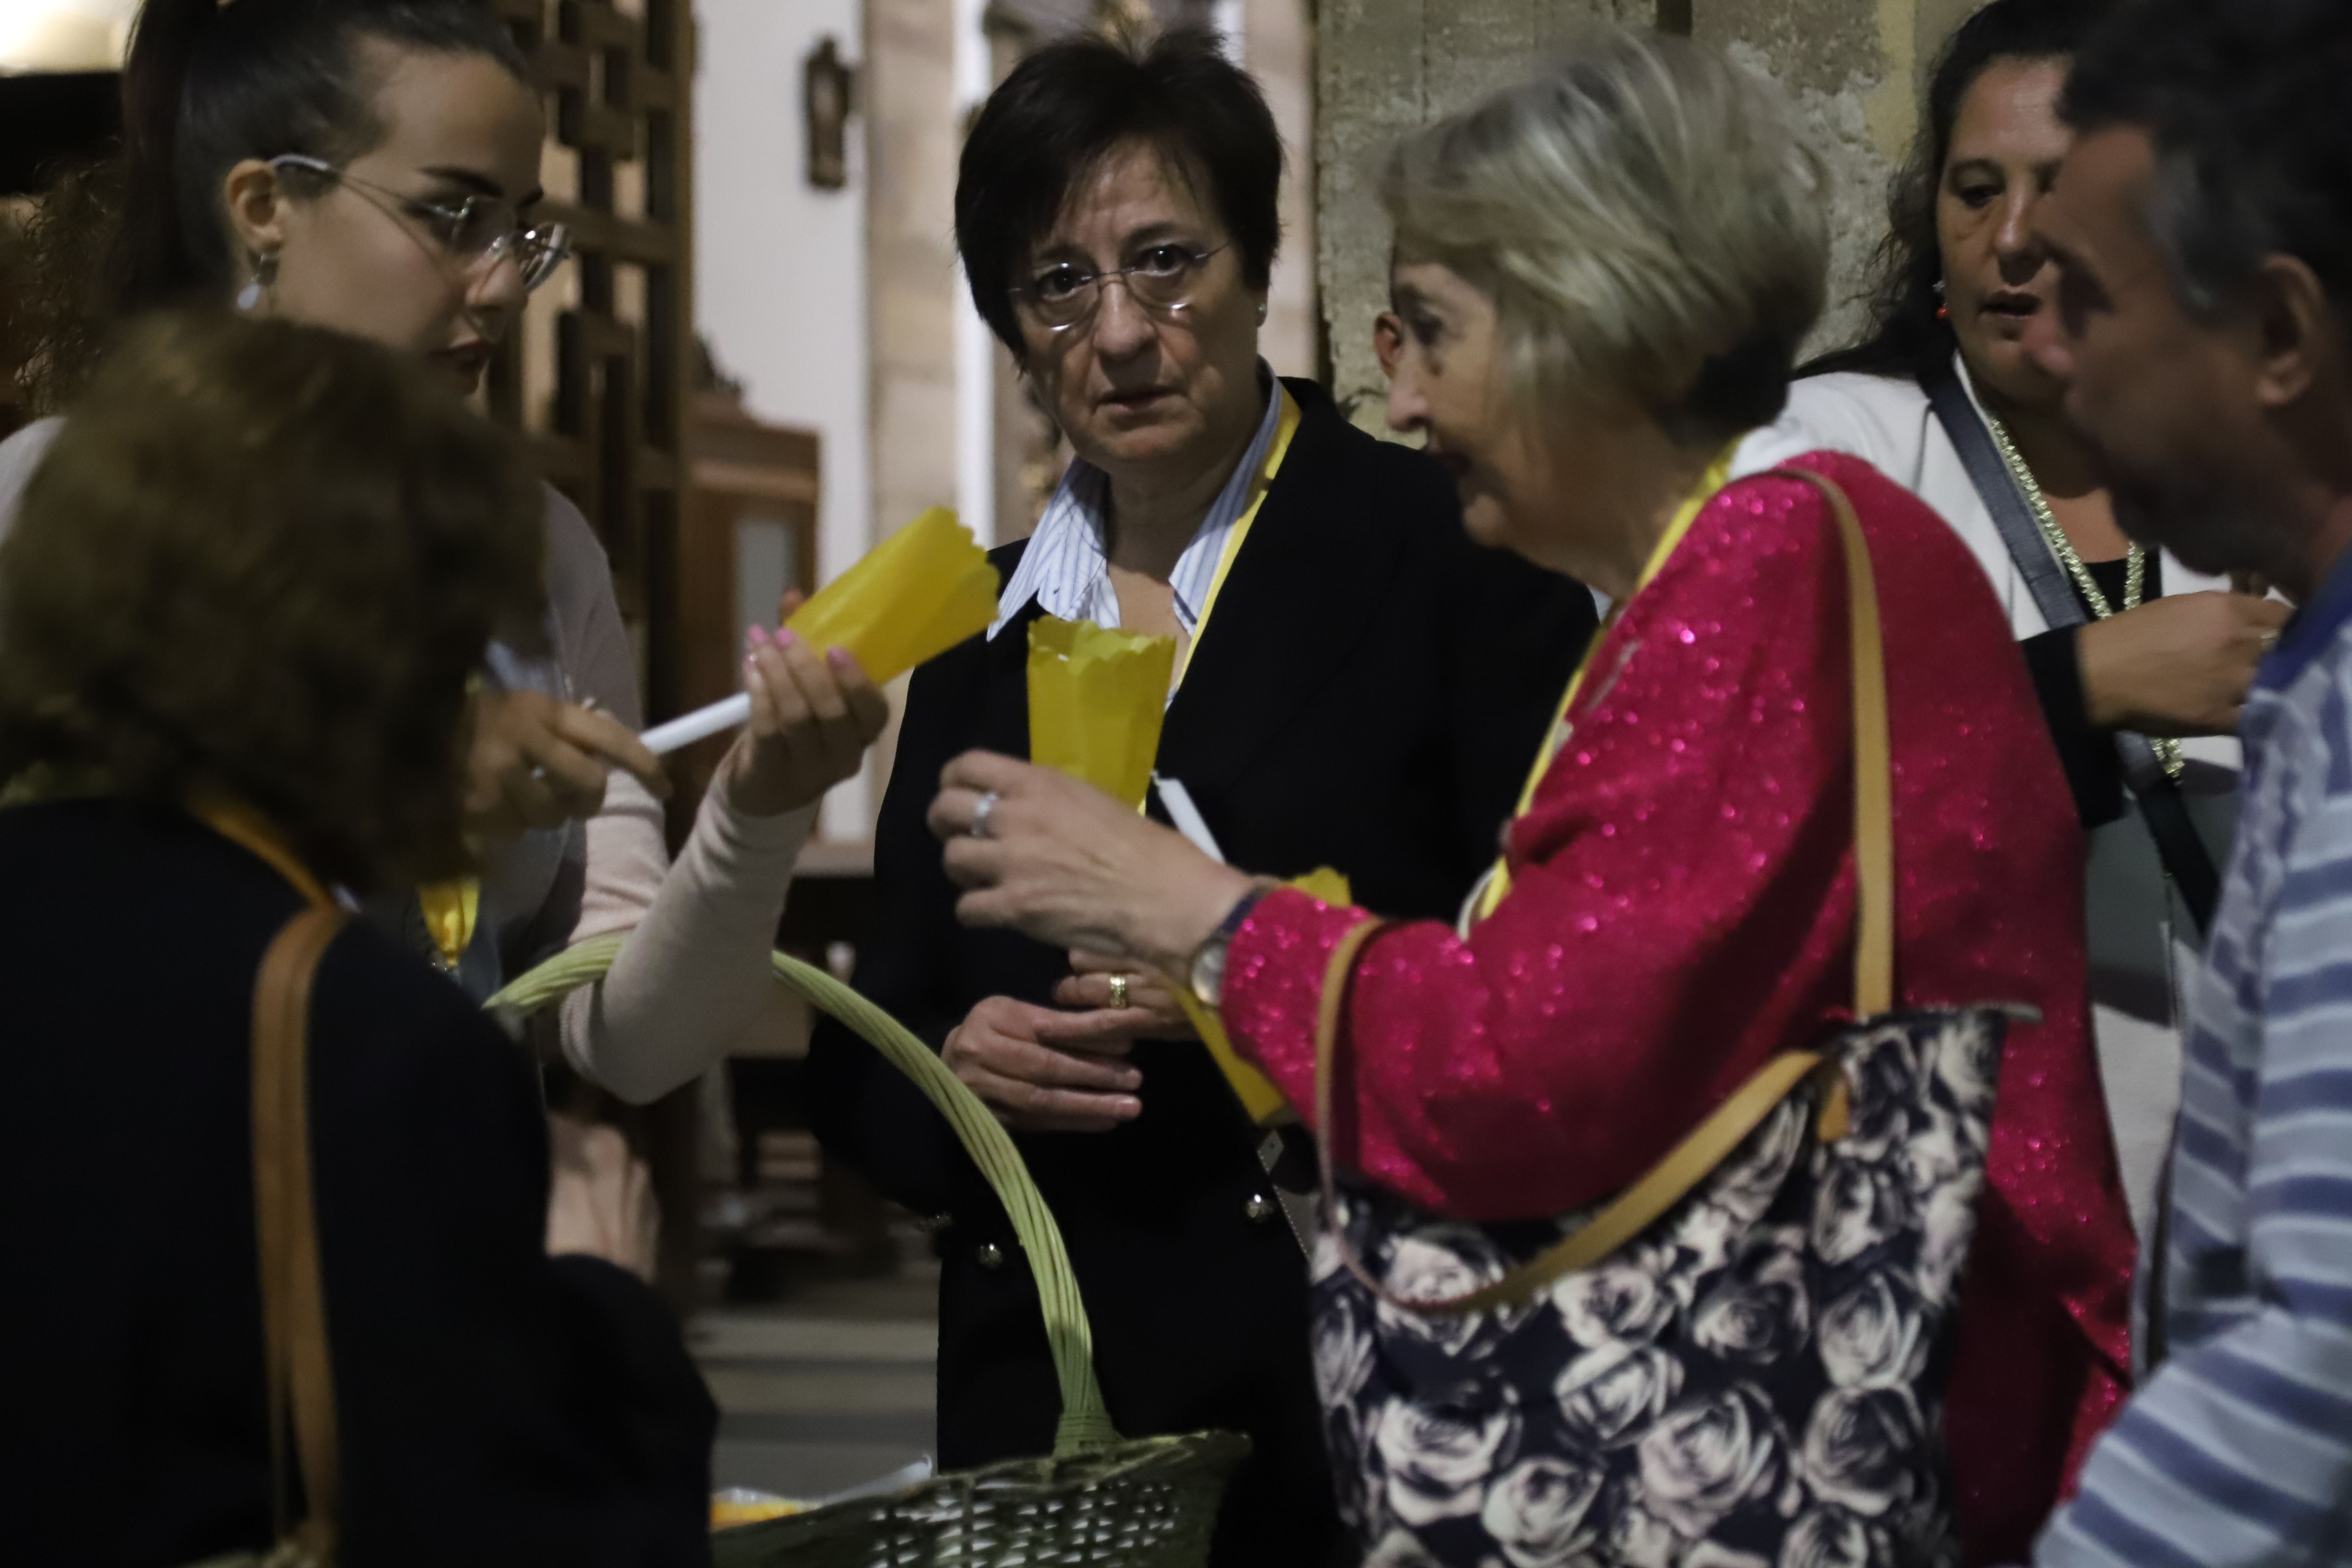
[(226, 685), (372, 166), (2140, 664), (1364, 698)]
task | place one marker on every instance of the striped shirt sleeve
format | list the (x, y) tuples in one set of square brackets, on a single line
[(2237, 1450)]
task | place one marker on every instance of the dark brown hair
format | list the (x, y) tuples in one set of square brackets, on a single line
[(1907, 337), (1069, 106), (205, 86), (265, 559)]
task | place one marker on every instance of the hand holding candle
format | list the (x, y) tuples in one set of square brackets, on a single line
[(813, 716), (917, 595)]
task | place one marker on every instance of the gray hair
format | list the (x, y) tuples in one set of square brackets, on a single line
[(1648, 220)]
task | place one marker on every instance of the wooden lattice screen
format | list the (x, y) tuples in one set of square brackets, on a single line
[(596, 380)]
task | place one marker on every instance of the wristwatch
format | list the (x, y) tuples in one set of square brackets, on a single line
[(1206, 972)]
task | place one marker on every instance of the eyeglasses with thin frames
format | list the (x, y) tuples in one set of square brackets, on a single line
[(475, 232), (1163, 280)]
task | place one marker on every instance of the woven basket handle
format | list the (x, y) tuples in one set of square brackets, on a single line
[(1085, 1423), (1689, 1161)]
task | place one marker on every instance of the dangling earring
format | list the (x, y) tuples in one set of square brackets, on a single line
[(1943, 311), (265, 273)]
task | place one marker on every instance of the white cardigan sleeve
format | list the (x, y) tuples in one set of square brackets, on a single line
[(692, 978)]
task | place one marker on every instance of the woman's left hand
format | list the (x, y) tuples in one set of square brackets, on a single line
[(600, 1198), (813, 716), (1143, 1008), (1065, 864)]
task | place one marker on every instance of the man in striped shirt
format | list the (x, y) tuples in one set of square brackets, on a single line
[(2203, 225)]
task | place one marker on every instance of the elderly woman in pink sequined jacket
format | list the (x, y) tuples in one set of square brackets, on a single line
[(1603, 280)]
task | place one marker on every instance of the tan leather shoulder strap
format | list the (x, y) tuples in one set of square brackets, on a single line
[(293, 1295), (1873, 786), (1713, 1141)]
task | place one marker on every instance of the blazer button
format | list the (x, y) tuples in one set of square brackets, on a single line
[(989, 1255), (1260, 1208)]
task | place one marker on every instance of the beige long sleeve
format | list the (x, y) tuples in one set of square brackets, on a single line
[(693, 977)]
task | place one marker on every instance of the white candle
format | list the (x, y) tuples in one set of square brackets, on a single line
[(664, 738)]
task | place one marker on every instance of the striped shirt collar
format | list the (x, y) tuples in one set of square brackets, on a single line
[(1066, 571), (2313, 627)]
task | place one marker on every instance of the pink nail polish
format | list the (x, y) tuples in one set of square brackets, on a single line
[(759, 636), (787, 638), (839, 657)]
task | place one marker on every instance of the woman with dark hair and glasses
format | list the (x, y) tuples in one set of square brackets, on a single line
[(372, 166), (1357, 686), (2140, 663)]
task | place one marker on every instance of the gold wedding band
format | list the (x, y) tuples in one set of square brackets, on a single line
[(1119, 992)]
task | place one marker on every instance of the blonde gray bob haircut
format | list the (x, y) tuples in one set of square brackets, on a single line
[(1648, 221)]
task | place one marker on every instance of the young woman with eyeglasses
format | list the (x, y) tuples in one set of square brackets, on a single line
[(372, 166)]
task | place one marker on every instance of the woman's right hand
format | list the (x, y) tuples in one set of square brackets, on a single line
[(813, 716), (601, 1201), (2177, 665), (1044, 1071), (536, 762)]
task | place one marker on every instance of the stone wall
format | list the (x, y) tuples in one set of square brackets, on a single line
[(912, 140), (1854, 67)]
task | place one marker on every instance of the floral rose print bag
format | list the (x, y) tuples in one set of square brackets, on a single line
[(1739, 1363)]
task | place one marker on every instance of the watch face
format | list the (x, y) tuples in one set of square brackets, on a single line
[(1209, 970)]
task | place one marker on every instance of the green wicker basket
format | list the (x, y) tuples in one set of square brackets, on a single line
[(1098, 1500)]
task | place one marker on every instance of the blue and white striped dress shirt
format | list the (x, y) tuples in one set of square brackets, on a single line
[(1066, 570), (2237, 1450)]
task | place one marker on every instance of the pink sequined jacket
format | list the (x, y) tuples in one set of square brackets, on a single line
[(1682, 909)]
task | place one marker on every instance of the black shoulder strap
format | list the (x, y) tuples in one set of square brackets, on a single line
[(2028, 550), (2166, 811), (2165, 814)]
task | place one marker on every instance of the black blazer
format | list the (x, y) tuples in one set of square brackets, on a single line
[(1369, 696), (495, 1405)]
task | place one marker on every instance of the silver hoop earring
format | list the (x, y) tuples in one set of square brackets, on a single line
[(265, 273)]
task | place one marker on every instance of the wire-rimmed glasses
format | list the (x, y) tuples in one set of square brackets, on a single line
[(478, 232), (1066, 294)]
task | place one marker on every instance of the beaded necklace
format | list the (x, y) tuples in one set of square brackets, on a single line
[(2168, 751)]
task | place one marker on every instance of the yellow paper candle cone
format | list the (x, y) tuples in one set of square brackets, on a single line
[(915, 596), (1097, 699)]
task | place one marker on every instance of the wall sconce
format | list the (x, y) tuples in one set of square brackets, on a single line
[(828, 92)]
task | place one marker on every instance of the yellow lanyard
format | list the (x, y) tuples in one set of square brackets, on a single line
[(450, 911), (241, 825), (1286, 426), (1497, 881), (231, 818)]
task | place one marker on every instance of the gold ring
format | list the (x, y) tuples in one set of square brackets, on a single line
[(1119, 992)]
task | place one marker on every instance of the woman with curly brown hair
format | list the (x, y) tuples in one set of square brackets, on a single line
[(238, 615)]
